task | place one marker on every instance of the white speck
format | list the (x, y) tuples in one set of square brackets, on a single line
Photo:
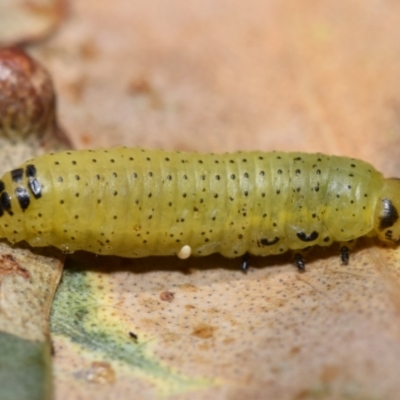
[(185, 252)]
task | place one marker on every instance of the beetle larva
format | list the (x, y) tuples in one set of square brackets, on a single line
[(134, 202)]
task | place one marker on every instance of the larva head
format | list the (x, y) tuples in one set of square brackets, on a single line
[(387, 212)]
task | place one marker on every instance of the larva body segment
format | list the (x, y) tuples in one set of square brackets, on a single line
[(134, 202)]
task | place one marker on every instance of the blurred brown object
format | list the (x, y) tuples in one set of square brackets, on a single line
[(27, 100)]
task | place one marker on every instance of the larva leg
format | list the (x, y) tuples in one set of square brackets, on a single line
[(245, 262), (345, 248), (344, 255), (300, 263)]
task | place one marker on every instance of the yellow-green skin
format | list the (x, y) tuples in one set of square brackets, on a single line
[(135, 203)]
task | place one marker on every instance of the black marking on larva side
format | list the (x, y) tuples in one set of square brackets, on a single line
[(5, 201), (23, 197), (30, 171), (307, 238), (35, 187), (17, 174), (1, 211), (389, 215), (266, 242), (2, 186)]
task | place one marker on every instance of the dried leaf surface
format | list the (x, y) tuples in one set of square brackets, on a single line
[(219, 76)]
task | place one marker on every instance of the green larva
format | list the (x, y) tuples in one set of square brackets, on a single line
[(135, 203)]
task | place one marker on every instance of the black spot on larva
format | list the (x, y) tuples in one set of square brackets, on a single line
[(2, 186), (262, 173), (278, 191), (30, 171), (297, 159), (216, 195), (266, 242), (318, 172), (233, 176), (35, 187), (240, 236), (150, 174), (5, 201), (23, 197), (327, 239), (352, 165), (246, 175), (94, 160), (17, 174), (77, 177), (314, 215), (389, 215), (60, 179), (200, 161), (307, 238), (316, 188), (73, 162), (297, 172)]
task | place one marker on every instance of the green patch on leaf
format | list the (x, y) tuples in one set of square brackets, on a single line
[(25, 371), (74, 314)]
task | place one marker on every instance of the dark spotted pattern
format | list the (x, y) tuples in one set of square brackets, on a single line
[(23, 197), (307, 238), (17, 174), (35, 187)]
